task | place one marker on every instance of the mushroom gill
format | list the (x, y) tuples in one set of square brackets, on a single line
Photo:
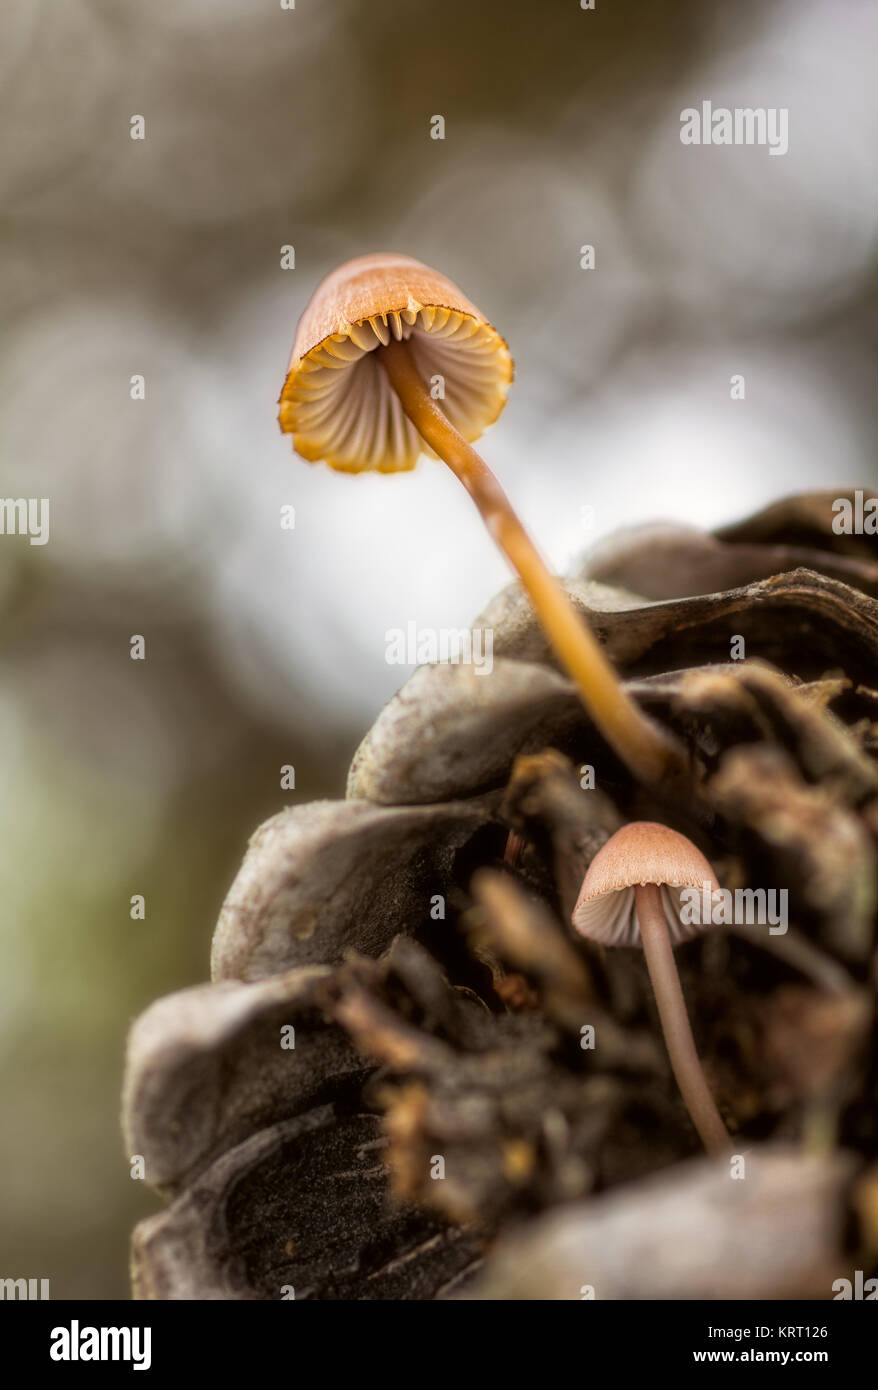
[(340, 406)]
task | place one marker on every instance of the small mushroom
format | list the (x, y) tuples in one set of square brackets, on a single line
[(380, 336), (631, 896)]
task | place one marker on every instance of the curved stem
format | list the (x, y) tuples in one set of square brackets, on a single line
[(642, 745), (675, 1020)]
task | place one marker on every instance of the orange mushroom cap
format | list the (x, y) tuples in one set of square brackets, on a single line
[(338, 403), (642, 852)]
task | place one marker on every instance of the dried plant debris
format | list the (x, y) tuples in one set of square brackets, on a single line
[(667, 560), (802, 621), (300, 1210), (498, 1104), (813, 843), (688, 1234), (479, 1103), (836, 521), (209, 1065), (320, 878), (450, 729)]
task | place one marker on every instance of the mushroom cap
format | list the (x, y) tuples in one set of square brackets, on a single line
[(337, 401), (642, 852)]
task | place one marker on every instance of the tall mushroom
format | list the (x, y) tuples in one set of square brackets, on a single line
[(631, 896), (374, 343)]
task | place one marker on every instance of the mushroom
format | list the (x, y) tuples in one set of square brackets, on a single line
[(631, 896), (378, 338)]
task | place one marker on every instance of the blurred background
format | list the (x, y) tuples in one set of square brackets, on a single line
[(310, 127)]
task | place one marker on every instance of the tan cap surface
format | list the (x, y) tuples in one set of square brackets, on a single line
[(338, 403), (642, 852)]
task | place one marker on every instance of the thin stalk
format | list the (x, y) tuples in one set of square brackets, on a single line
[(675, 1020), (642, 745)]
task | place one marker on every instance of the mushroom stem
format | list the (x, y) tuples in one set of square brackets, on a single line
[(641, 744), (675, 1020)]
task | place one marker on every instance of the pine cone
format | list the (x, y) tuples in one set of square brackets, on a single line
[(442, 1125)]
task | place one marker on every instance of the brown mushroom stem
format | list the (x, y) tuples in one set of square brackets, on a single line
[(641, 744), (685, 1062)]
